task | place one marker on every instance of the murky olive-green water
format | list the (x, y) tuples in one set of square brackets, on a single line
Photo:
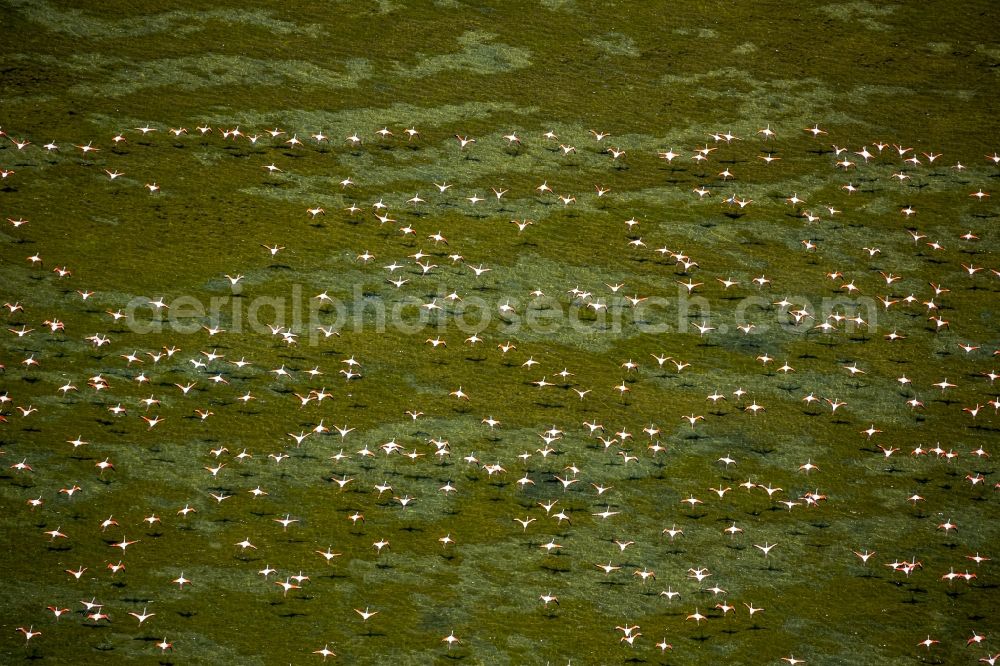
[(658, 78)]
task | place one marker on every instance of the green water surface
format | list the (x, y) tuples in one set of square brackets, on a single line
[(655, 76)]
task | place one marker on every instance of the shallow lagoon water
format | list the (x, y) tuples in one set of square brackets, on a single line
[(656, 78)]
